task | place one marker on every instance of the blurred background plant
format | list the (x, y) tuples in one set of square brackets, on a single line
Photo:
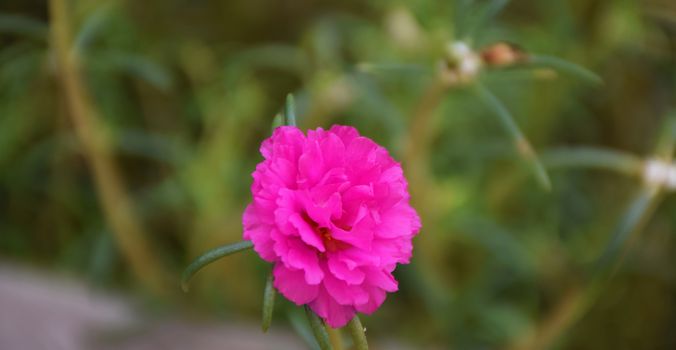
[(128, 132)]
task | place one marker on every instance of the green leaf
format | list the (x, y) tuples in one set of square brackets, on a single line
[(485, 15), (280, 57), (491, 10), (358, 334), (153, 146), (290, 111), (390, 68), (666, 141), (209, 257), (102, 259), (299, 324), (566, 67), (268, 303), (318, 329), (638, 212), (593, 158), (92, 27), (141, 68), (25, 26), (521, 143), (278, 120)]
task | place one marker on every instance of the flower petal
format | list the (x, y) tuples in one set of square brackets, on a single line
[(343, 293), (334, 314), (342, 271), (296, 255), (376, 298), (306, 232), (259, 234), (331, 211), (291, 284)]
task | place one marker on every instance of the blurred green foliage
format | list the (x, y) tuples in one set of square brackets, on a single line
[(188, 89)]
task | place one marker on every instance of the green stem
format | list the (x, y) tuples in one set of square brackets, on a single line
[(93, 133), (521, 143), (593, 158), (290, 111), (335, 338), (318, 329), (566, 67), (268, 303), (638, 213), (358, 333), (209, 257)]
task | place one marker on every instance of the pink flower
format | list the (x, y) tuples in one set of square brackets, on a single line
[(331, 212)]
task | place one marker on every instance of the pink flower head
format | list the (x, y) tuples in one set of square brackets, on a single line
[(331, 211)]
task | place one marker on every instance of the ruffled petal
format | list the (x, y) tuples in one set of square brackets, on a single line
[(291, 284), (343, 293), (342, 271), (376, 298), (331, 211), (296, 255), (258, 234), (345, 133), (381, 279), (306, 232), (334, 314)]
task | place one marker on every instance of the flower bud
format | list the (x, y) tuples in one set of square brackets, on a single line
[(503, 54)]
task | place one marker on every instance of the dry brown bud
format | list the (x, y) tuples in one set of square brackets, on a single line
[(503, 54)]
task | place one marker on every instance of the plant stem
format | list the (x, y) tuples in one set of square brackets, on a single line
[(567, 67), (576, 303), (597, 158), (290, 111), (318, 329), (97, 148), (335, 338), (520, 141), (358, 333), (268, 302), (421, 126), (209, 257)]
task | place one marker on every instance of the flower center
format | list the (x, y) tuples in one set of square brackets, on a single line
[(324, 233), (330, 243)]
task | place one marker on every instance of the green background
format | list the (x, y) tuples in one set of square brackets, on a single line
[(183, 92)]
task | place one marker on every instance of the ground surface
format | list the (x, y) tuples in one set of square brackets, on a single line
[(38, 312), (44, 311)]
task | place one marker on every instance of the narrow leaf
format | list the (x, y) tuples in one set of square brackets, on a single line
[(485, 16), (566, 67), (318, 329), (593, 158), (520, 142), (666, 141), (299, 324), (278, 120), (367, 67), (268, 303), (634, 218), (25, 26), (209, 257), (290, 111), (460, 18), (140, 67), (491, 10), (358, 334), (279, 57), (92, 28)]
